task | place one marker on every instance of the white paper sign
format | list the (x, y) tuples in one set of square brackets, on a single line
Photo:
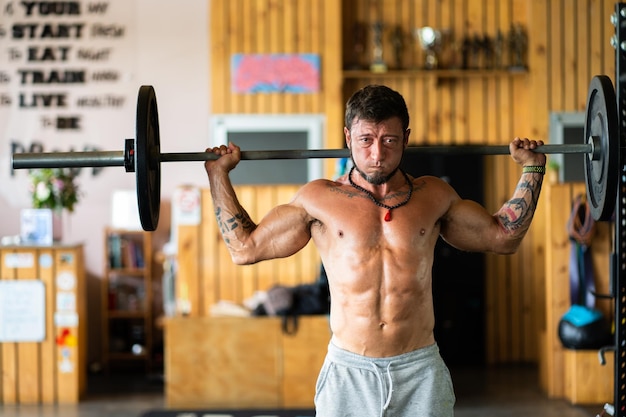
[(65, 319), (66, 301), (19, 260), (22, 311), (186, 206)]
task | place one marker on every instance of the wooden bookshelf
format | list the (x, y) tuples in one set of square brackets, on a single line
[(127, 298)]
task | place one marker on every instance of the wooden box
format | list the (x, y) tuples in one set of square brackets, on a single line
[(226, 362), (586, 380)]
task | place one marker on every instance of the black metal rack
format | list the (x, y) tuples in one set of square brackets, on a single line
[(618, 260)]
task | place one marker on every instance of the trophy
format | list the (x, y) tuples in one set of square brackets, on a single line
[(377, 64), (397, 40), (498, 50), (466, 51), (430, 40), (359, 35), (518, 43)]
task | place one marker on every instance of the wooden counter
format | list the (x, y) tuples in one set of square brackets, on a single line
[(228, 362), (42, 347)]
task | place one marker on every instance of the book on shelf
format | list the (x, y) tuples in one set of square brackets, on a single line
[(125, 252), (115, 251)]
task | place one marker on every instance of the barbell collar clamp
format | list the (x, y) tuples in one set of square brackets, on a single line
[(596, 151), (129, 155)]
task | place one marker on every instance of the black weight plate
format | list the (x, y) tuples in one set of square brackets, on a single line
[(602, 172), (147, 158)]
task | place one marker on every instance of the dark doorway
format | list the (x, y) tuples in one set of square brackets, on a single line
[(458, 277)]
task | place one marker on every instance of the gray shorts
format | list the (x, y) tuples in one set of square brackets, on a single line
[(415, 384)]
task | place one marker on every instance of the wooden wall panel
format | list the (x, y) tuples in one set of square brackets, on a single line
[(287, 26), (479, 110), (209, 263), (538, 128), (564, 53), (455, 110), (207, 274), (568, 43), (264, 27), (188, 255)]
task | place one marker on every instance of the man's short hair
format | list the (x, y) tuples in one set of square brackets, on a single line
[(376, 103)]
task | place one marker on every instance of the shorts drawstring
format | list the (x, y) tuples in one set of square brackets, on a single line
[(390, 387), (382, 388)]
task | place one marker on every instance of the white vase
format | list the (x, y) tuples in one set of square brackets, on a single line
[(57, 226)]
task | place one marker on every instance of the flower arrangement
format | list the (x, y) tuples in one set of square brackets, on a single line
[(54, 188)]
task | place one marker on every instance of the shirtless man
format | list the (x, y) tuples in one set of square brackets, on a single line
[(376, 229)]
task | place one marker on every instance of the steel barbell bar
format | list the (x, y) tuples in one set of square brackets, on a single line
[(117, 158)]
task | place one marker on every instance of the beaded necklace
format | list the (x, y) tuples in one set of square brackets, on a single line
[(380, 204)]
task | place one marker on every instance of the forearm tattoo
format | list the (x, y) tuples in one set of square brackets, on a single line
[(517, 213), (229, 224)]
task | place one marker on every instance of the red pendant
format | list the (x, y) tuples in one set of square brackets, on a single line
[(388, 216)]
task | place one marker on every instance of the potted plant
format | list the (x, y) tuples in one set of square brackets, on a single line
[(54, 188)]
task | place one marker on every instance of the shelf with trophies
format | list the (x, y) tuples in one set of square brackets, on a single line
[(439, 53)]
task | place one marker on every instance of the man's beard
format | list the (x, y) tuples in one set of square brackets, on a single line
[(376, 179)]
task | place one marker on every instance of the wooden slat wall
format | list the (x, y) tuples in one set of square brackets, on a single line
[(207, 274), (452, 111), (489, 110), (287, 26), (568, 43), (248, 26)]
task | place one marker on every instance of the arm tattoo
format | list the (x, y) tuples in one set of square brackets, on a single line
[(517, 213), (231, 223)]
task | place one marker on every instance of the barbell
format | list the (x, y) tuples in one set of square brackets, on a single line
[(142, 155)]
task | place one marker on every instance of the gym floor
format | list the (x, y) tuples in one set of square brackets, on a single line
[(503, 391)]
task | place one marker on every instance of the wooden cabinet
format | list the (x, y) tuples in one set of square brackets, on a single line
[(127, 298), (43, 324), (586, 381), (575, 375)]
